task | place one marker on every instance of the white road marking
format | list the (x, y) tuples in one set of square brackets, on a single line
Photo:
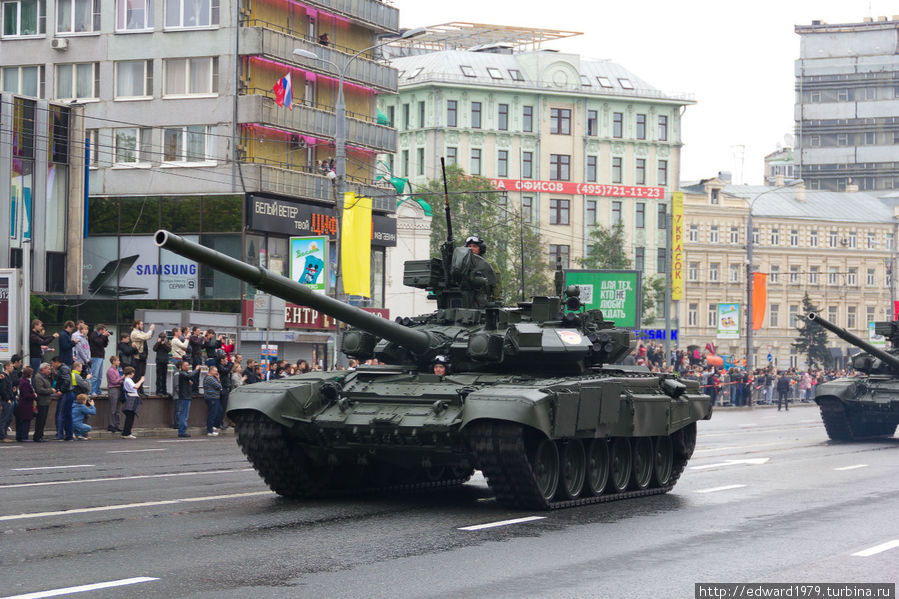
[(716, 489), (185, 440), (750, 461), (877, 549), (83, 588), (852, 467), (126, 506), (747, 425), (53, 467), (11, 447), (816, 421), (502, 523), (135, 450), (117, 478)]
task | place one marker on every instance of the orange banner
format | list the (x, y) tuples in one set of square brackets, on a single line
[(759, 298)]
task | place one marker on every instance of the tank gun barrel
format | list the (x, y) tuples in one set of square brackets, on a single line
[(283, 287), (845, 335)]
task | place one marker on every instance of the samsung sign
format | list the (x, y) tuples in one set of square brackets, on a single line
[(298, 219)]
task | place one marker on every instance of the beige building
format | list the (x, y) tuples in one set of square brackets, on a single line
[(836, 246)]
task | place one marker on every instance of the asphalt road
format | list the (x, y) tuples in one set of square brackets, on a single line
[(766, 498)]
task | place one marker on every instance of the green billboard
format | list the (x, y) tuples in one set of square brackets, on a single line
[(616, 292)]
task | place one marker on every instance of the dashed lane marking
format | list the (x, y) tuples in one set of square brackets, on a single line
[(855, 467), (126, 506), (716, 489), (135, 450), (53, 467), (83, 588), (118, 478), (877, 549), (502, 523)]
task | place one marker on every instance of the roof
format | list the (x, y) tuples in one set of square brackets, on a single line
[(463, 35), (597, 77)]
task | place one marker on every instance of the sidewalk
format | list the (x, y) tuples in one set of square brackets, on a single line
[(196, 432)]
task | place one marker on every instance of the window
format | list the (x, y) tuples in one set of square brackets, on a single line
[(591, 169), (411, 75), (850, 317), (774, 274), (516, 75), (93, 135), (714, 196), (134, 15), (558, 254), (640, 221), (641, 126), (870, 138), (713, 271), (134, 79), (475, 115), (889, 244), (527, 119), (814, 97), (693, 233), (842, 95), (494, 73), (616, 169), (191, 76), (406, 118), (405, 163), (559, 167), (814, 141), (186, 144), (77, 81), (734, 273), (713, 234), (527, 165), (662, 216), (663, 128), (420, 161), (592, 123), (26, 81), (616, 213), (640, 176), (590, 212), (692, 311), (452, 155), (475, 162), (467, 70), (502, 163), (872, 241), (794, 238), (558, 212), (640, 258), (132, 145), (793, 316), (693, 271), (871, 278), (421, 115), (585, 81), (451, 113), (77, 16), (191, 13), (604, 81), (833, 276), (812, 275), (560, 121), (775, 236), (662, 178), (735, 235), (527, 209), (832, 314), (712, 315), (773, 314), (832, 239), (869, 314), (24, 17), (842, 139), (853, 242), (503, 117), (391, 115), (755, 235), (813, 238), (617, 124), (625, 83), (661, 260), (852, 277), (794, 273)]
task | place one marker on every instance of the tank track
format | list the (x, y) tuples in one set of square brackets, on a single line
[(499, 450), (840, 427)]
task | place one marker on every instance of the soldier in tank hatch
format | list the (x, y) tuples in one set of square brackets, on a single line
[(440, 366)]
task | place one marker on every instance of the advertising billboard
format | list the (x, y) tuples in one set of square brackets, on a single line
[(677, 245), (308, 261), (618, 293), (9, 321), (729, 321)]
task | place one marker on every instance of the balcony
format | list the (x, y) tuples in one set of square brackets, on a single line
[(260, 108), (274, 178), (375, 14), (276, 43)]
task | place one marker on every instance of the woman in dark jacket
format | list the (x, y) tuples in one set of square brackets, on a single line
[(27, 408), (162, 349)]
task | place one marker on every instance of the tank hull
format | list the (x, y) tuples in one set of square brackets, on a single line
[(859, 408)]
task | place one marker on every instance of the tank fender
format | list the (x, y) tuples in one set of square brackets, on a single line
[(841, 389), (527, 406), (286, 401)]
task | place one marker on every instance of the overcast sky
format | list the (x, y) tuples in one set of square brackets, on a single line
[(736, 58)]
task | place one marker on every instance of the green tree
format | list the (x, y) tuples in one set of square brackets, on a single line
[(477, 212), (811, 340), (608, 251)]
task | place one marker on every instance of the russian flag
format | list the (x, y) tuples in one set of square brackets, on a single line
[(284, 92)]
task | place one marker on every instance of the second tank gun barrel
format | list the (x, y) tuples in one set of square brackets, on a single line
[(283, 287), (845, 335)]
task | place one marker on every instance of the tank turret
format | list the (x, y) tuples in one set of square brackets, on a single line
[(874, 360)]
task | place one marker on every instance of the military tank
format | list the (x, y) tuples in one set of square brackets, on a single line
[(865, 406), (533, 397)]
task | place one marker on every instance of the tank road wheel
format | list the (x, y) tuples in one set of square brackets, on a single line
[(574, 466), (621, 463), (545, 464), (642, 468), (662, 461), (685, 441), (598, 466)]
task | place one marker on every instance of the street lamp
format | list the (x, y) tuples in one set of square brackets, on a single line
[(749, 272)]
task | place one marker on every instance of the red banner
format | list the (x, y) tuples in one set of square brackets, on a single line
[(895, 310), (587, 189), (759, 299)]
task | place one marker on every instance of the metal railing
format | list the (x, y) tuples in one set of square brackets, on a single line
[(371, 11)]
